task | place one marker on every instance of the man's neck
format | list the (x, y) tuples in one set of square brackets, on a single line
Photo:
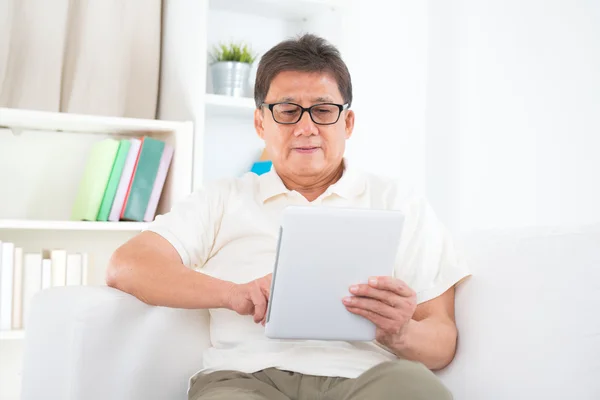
[(310, 187)]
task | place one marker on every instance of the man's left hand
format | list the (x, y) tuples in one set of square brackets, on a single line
[(387, 302)]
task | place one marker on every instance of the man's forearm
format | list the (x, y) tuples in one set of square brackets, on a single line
[(430, 341), (154, 282)]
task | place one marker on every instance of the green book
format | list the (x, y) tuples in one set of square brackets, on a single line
[(113, 181), (143, 179), (95, 177)]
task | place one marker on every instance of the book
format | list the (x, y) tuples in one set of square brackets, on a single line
[(74, 270), (113, 180), (95, 178), (263, 165), (125, 181), (84, 268), (58, 259), (159, 182), (6, 285), (46, 273), (146, 169), (17, 315), (32, 281)]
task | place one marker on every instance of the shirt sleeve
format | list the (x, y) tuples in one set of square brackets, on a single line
[(191, 225), (427, 258)]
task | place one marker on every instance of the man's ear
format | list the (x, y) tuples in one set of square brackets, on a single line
[(349, 123), (258, 123)]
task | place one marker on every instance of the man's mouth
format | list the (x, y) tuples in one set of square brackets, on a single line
[(306, 149)]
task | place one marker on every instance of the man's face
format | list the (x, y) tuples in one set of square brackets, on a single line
[(304, 149)]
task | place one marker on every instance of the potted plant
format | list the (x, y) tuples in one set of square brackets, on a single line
[(230, 68)]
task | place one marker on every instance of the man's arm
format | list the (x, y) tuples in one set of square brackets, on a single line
[(430, 336), (149, 268), (426, 333)]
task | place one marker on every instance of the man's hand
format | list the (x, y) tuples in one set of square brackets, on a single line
[(387, 302), (251, 298)]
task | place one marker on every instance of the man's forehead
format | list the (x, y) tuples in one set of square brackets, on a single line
[(313, 99), (297, 86)]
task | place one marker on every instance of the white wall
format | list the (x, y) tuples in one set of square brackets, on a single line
[(513, 105), (386, 52)]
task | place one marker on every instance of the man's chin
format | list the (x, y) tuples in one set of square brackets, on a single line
[(311, 168)]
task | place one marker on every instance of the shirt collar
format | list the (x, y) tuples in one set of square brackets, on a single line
[(351, 184)]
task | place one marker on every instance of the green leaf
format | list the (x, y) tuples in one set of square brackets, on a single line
[(233, 52)]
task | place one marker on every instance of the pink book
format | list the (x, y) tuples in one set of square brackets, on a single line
[(126, 176), (161, 176)]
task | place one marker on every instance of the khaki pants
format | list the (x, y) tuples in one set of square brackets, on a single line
[(398, 380)]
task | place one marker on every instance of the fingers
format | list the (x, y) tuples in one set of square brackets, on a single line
[(385, 296), (261, 290), (265, 287), (383, 323), (260, 303), (391, 284), (386, 325), (372, 305)]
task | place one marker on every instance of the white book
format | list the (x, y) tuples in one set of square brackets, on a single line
[(17, 315), (46, 273), (84, 268), (159, 181), (74, 269), (59, 267), (6, 285), (32, 281)]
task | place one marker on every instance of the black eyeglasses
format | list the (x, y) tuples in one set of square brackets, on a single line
[(321, 114)]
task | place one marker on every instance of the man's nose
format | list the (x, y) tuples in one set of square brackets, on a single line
[(306, 126)]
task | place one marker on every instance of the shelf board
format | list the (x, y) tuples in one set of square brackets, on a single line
[(286, 9), (11, 335), (23, 120), (22, 224), (219, 105)]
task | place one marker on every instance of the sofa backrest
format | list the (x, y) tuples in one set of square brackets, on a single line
[(529, 317)]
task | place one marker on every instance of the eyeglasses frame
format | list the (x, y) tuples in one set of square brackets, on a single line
[(341, 108)]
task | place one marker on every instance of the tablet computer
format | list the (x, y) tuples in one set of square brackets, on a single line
[(322, 251)]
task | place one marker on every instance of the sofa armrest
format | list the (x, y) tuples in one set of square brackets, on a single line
[(101, 343)]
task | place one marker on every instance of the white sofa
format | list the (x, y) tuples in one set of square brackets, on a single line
[(529, 322)]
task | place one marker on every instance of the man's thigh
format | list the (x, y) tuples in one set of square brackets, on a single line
[(232, 385), (397, 380)]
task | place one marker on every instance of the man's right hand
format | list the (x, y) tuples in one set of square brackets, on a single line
[(251, 298)]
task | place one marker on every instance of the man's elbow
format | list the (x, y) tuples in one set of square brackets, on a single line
[(115, 272), (449, 352), (120, 274)]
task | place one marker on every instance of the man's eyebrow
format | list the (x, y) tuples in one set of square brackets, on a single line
[(320, 99)]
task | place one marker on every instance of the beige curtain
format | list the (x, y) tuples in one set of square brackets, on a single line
[(97, 57)]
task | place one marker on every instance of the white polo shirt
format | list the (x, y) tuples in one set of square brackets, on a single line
[(229, 230)]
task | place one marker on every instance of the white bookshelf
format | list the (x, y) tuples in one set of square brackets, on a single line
[(42, 158), (227, 106), (286, 9), (19, 120), (24, 224), (12, 335)]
